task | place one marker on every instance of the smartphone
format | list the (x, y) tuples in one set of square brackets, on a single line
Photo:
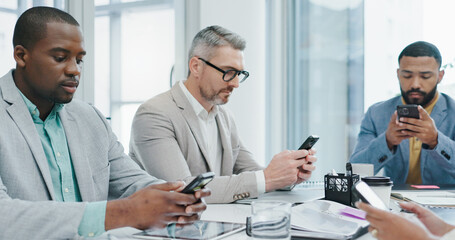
[(199, 182), (409, 111), (309, 142), (362, 191)]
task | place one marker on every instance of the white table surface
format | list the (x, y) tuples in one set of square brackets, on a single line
[(235, 213)]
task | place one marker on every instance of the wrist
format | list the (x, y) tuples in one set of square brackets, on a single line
[(433, 144), (390, 146), (118, 214), (269, 181)]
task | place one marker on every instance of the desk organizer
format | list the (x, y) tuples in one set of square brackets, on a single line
[(339, 188)]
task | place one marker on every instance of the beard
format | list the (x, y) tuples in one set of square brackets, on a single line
[(214, 97), (67, 98), (427, 97)]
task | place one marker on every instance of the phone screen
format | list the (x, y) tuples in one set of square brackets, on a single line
[(366, 194)]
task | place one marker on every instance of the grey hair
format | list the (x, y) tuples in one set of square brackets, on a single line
[(209, 38)]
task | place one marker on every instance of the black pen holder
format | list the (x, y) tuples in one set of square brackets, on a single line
[(339, 188)]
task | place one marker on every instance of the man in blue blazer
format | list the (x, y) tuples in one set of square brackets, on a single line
[(60, 162), (410, 150)]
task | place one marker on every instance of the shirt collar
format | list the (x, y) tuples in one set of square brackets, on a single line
[(34, 110), (199, 110)]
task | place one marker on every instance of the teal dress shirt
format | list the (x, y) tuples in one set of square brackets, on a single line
[(66, 189)]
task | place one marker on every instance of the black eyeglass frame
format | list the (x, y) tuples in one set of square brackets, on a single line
[(246, 74)]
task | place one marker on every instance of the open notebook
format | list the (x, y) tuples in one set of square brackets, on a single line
[(327, 219)]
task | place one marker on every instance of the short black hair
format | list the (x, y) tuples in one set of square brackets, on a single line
[(421, 49), (31, 25)]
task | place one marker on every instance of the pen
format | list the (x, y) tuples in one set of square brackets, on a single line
[(348, 169), (399, 196)]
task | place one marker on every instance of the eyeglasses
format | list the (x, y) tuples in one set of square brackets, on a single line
[(229, 74)]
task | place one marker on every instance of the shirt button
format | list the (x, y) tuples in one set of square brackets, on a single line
[(91, 234), (58, 154), (34, 112), (67, 190)]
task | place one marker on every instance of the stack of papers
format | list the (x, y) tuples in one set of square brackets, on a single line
[(428, 197), (328, 218)]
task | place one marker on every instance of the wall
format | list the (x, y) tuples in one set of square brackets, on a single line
[(247, 18), (389, 27)]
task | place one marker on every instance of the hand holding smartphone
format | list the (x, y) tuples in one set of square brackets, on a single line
[(362, 191), (199, 182), (309, 143)]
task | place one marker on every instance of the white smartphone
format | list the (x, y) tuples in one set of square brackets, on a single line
[(366, 194)]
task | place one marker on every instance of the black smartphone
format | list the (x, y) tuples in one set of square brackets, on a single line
[(309, 142), (199, 182), (362, 191), (409, 111)]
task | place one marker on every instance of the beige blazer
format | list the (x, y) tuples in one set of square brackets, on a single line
[(166, 141)]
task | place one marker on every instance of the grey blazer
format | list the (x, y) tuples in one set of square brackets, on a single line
[(166, 141), (102, 169)]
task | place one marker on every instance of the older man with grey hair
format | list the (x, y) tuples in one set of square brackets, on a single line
[(185, 131)]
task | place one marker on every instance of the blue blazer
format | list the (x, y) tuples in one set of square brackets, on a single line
[(437, 166)]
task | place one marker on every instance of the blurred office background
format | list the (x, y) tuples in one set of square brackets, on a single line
[(315, 65)]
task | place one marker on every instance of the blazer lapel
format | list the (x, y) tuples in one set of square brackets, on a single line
[(78, 158), (191, 118), (21, 116), (439, 112), (227, 163)]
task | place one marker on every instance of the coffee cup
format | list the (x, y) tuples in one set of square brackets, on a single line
[(382, 186)]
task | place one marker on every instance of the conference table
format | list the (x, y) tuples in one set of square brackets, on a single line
[(236, 212)]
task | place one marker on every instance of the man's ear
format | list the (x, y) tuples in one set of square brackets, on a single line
[(194, 66), (20, 55), (440, 76)]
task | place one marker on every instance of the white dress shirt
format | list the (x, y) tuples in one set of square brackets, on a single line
[(211, 137)]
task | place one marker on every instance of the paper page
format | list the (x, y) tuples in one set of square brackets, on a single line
[(429, 197), (233, 213), (325, 216)]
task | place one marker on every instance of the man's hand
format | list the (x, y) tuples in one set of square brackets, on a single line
[(284, 170), (394, 134), (432, 222), (156, 206), (423, 128), (387, 225), (307, 168)]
